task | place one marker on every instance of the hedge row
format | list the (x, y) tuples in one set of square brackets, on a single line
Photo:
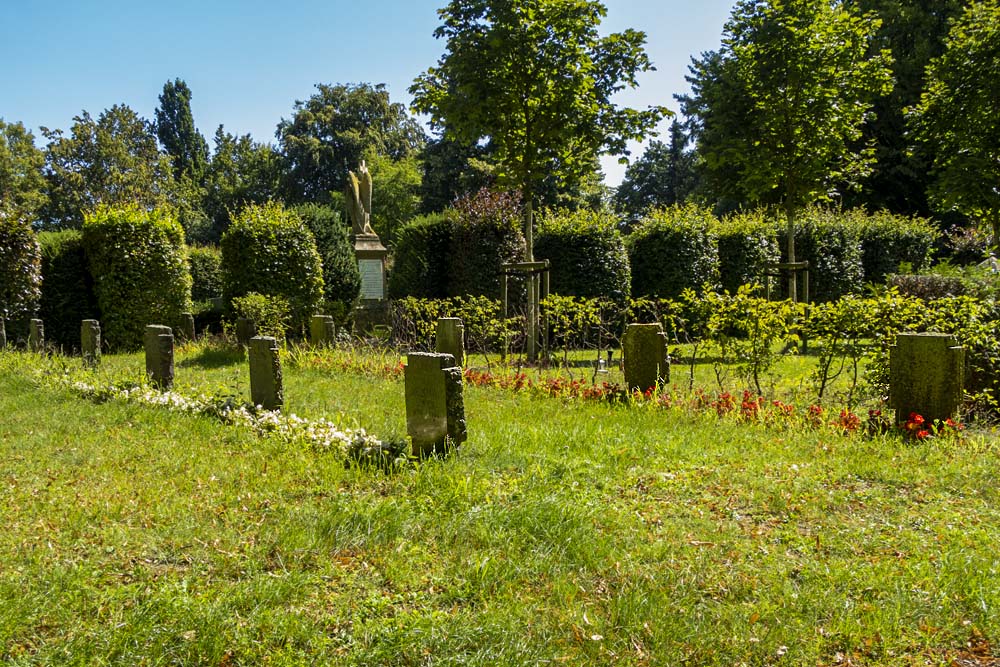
[(20, 267), (67, 288)]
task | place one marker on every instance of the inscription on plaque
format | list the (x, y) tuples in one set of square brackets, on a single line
[(371, 279)]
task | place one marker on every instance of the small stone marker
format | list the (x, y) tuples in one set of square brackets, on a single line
[(266, 387), (435, 409), (322, 330), (36, 335), (451, 338), (646, 361), (3, 333), (187, 326), (926, 376), (245, 330), (159, 344), (90, 342)]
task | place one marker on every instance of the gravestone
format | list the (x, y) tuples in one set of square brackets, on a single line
[(322, 330), (3, 333), (187, 326), (36, 335), (926, 376), (266, 387), (646, 361), (159, 345), (245, 330), (90, 342), (435, 409), (451, 338)]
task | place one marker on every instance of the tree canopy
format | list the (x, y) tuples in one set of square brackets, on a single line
[(662, 176), (177, 133), (22, 187)]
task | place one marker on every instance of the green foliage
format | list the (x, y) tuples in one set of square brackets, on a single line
[(587, 253), (674, 249), (535, 80), (205, 264), (452, 170), (67, 287), (422, 257), (20, 267), (833, 250), (177, 133), (22, 186), (138, 261), (748, 244), (958, 117), (271, 314), (269, 250), (397, 194), (415, 321), (663, 176), (112, 161), (341, 277), (486, 235), (334, 129), (890, 241)]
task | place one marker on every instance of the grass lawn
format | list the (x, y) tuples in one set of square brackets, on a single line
[(563, 532)]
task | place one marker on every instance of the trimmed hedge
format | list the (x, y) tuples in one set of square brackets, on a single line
[(422, 257), (341, 276), (486, 236), (889, 241), (20, 268), (587, 253), (205, 264), (139, 264), (833, 250), (67, 288), (748, 244), (674, 249), (269, 250)]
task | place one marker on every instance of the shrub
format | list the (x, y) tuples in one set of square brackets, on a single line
[(833, 250), (20, 267), (674, 249), (487, 234), (269, 250), (928, 287), (205, 264), (138, 261), (270, 314), (889, 241), (748, 244), (67, 288), (587, 254), (341, 277), (422, 257)]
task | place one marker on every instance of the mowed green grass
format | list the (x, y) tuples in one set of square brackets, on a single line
[(562, 532)]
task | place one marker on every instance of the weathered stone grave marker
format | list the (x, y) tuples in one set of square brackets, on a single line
[(322, 330), (187, 326), (646, 361), (3, 333), (36, 335), (245, 330), (266, 387), (435, 408), (90, 342), (159, 345), (926, 376), (450, 338)]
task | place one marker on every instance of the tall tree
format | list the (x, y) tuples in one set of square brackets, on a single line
[(781, 106), (22, 186), (177, 133), (329, 133), (112, 160), (662, 176), (959, 117), (452, 170)]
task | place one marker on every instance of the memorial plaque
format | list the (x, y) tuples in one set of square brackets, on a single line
[(371, 279)]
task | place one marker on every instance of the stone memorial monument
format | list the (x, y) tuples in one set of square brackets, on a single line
[(368, 248), (36, 335), (159, 345), (187, 326), (435, 409), (450, 338), (90, 342), (926, 376), (245, 330), (322, 330), (266, 386), (646, 361)]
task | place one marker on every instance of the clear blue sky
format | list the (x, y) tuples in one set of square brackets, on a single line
[(247, 61)]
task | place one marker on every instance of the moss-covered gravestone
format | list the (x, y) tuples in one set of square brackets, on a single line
[(245, 330), (926, 376), (158, 342), (266, 385), (451, 338), (36, 335), (90, 342), (646, 360), (322, 330), (435, 408)]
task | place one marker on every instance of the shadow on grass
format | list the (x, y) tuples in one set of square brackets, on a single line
[(214, 358)]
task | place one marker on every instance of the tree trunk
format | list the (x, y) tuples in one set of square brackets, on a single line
[(792, 275), (529, 256)]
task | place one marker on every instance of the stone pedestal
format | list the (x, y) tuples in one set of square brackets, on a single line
[(36, 335), (90, 342), (159, 345), (435, 408), (322, 331), (245, 330), (926, 376), (266, 386), (450, 338), (371, 256), (646, 360), (187, 327)]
